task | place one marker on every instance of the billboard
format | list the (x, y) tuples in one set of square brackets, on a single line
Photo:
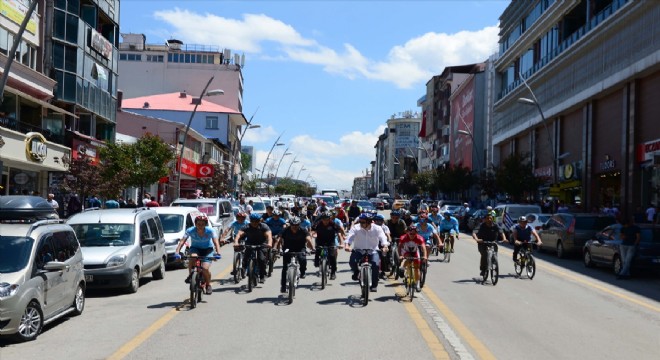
[(462, 118), (406, 138)]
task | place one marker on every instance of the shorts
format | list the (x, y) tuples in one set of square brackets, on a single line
[(417, 259), (202, 252)]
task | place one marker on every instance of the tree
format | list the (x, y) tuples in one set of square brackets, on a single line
[(83, 177), (516, 177), (424, 181), (453, 179)]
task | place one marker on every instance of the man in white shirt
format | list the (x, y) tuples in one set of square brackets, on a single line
[(650, 214), (51, 200), (363, 238)]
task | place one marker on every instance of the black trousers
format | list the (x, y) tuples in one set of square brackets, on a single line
[(261, 259), (483, 250), (332, 259), (286, 260)]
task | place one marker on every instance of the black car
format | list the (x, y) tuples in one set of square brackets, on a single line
[(604, 250)]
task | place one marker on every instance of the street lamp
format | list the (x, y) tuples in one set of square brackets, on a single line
[(277, 169), (301, 170), (263, 169), (185, 133), (474, 149), (290, 165)]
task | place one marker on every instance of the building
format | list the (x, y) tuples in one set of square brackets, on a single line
[(589, 117), (172, 66)]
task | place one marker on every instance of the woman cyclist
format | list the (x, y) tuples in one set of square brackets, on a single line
[(409, 246), (203, 239)]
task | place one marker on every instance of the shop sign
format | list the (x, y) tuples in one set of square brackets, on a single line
[(188, 184), (204, 171), (188, 167), (100, 44), (607, 165), (35, 147), (647, 150), (570, 184), (543, 172), (570, 171)]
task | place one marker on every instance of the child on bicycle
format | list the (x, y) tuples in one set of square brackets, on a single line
[(203, 239), (409, 245)]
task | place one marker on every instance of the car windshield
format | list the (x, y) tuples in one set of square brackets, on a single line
[(365, 204), (14, 253), (258, 206), (207, 208), (593, 222), (517, 211), (172, 223), (104, 234)]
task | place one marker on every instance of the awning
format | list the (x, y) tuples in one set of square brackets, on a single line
[(38, 101)]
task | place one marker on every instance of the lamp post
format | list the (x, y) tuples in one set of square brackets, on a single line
[(185, 133), (469, 133), (277, 169), (290, 165), (413, 156), (263, 169), (299, 172), (239, 145)]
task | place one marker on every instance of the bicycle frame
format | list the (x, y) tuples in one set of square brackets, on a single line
[(252, 271), (493, 266), (323, 262), (364, 274), (197, 282)]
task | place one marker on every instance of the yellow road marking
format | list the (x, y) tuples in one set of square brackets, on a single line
[(597, 286), (127, 348), (432, 341)]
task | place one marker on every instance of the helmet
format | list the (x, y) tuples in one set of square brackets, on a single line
[(337, 206), (446, 213), (366, 216), (294, 220), (466, 204), (489, 208), (202, 218), (324, 215), (241, 215), (379, 217), (522, 219), (412, 227), (255, 216), (395, 213), (277, 213)]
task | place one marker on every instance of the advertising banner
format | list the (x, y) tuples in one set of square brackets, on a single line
[(462, 118)]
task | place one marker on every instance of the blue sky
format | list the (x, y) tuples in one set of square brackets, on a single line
[(327, 74)]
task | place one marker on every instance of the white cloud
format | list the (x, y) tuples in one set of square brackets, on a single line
[(405, 65)]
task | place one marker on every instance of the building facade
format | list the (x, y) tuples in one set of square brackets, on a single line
[(593, 67)]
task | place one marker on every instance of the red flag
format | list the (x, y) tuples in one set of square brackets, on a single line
[(422, 131)]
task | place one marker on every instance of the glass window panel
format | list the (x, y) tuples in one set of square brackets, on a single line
[(71, 28), (70, 87), (59, 88), (4, 43), (73, 6), (60, 4), (187, 58), (58, 55), (79, 90), (70, 58)]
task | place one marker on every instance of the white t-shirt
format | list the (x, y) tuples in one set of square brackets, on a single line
[(650, 214), (54, 204)]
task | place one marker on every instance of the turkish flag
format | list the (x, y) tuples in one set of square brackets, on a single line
[(422, 131), (204, 170)]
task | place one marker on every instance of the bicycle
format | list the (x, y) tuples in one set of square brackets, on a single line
[(239, 270), (446, 249), (293, 274), (272, 258), (493, 267), (409, 277), (394, 258), (525, 261), (323, 263), (423, 269), (364, 274), (197, 283), (253, 266)]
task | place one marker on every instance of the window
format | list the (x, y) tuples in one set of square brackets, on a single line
[(211, 122), (65, 245), (153, 228), (155, 58), (144, 230), (123, 57), (45, 252)]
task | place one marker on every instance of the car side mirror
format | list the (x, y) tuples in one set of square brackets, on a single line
[(55, 266), (224, 215)]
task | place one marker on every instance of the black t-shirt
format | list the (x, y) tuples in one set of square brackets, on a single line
[(325, 234), (629, 234), (489, 233), (294, 241), (255, 235), (396, 228), (354, 211)]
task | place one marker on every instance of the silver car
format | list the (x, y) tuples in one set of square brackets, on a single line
[(175, 220), (120, 246), (41, 267)]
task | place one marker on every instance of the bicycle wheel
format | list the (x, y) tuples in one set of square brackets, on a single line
[(517, 265), (366, 281), (291, 277), (193, 290), (423, 267), (394, 262), (494, 270), (200, 289), (252, 275), (531, 267), (410, 281), (271, 262), (238, 265), (324, 272), (485, 273), (448, 252)]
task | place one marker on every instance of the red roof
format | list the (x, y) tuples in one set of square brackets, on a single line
[(174, 102)]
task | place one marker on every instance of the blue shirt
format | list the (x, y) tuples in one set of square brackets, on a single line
[(449, 225), (201, 242), (428, 233), (306, 224), (276, 225), (436, 218), (236, 226)]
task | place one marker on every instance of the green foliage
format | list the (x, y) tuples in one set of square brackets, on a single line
[(424, 181), (516, 177), (83, 177), (453, 179)]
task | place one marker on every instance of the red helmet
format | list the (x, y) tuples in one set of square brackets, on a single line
[(202, 218), (241, 215)]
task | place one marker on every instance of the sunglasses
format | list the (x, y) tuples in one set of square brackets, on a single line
[(362, 222), (255, 220), (412, 231)]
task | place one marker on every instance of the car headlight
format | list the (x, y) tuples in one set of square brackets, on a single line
[(172, 242), (117, 260), (7, 290)]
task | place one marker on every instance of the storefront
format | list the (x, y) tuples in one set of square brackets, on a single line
[(27, 162), (648, 158), (570, 184), (608, 178)]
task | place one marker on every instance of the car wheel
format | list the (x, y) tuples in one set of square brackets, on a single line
[(32, 321), (588, 262), (560, 250), (159, 274), (617, 265), (79, 301), (135, 282)]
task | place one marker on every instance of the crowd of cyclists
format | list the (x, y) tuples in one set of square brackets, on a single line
[(282, 230)]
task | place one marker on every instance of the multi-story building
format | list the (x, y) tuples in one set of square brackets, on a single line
[(593, 67)]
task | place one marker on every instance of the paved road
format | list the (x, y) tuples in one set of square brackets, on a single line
[(566, 312)]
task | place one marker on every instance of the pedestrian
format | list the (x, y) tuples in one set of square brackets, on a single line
[(112, 204), (122, 202), (152, 202), (630, 237), (146, 199), (73, 206), (131, 203), (51, 200), (94, 202), (650, 213)]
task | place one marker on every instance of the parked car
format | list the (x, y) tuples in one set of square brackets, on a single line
[(514, 211), (258, 205), (536, 220), (41, 267), (219, 211), (476, 219), (603, 249), (175, 221), (568, 232), (366, 205), (120, 246), (378, 203)]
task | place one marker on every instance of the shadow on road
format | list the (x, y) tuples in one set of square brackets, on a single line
[(341, 301)]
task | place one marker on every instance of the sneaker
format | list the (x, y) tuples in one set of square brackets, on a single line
[(355, 276), (209, 290), (418, 288), (262, 280), (302, 276), (452, 250), (283, 289), (232, 273), (187, 279), (333, 276), (373, 289)]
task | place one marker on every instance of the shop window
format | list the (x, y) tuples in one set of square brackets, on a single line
[(59, 24), (71, 28)]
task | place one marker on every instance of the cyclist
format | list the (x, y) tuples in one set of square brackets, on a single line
[(407, 218), (256, 233), (409, 245), (203, 239), (268, 213), (294, 239), (276, 225), (353, 212), (427, 231), (235, 226), (434, 216), (341, 214), (366, 237), (487, 231), (396, 225), (379, 219), (325, 230), (522, 234), (305, 223), (449, 224)]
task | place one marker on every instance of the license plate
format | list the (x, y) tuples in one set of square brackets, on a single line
[(89, 278)]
